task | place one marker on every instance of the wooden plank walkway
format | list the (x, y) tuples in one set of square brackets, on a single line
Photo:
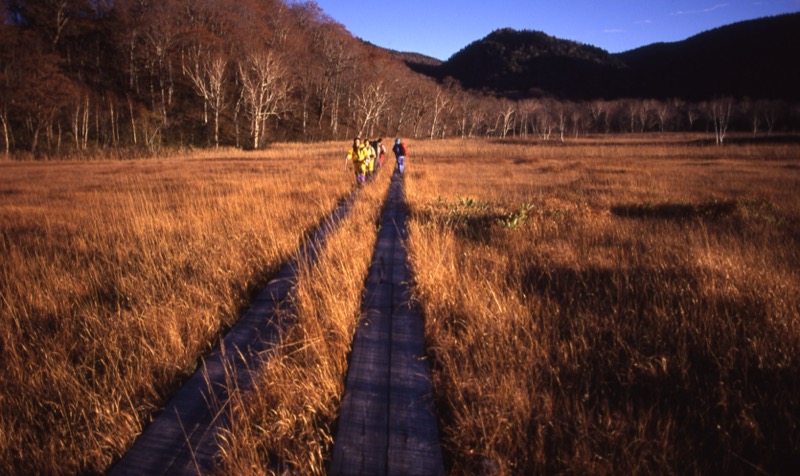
[(183, 438), (387, 424)]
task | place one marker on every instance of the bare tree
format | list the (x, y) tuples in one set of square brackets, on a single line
[(153, 40), (508, 115), (752, 110), (371, 102), (52, 16), (577, 118), (308, 81), (337, 60), (544, 118), (440, 102), (664, 112), (80, 121), (413, 104), (643, 109), (719, 112), (33, 88), (8, 78), (772, 112), (598, 111), (419, 104), (527, 108), (402, 109), (6, 130), (207, 72), (692, 115), (264, 90), (561, 119)]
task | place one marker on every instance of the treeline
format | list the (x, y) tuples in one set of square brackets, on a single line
[(550, 119), (82, 76), (88, 74)]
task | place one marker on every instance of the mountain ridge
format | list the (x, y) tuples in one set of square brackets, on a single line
[(752, 58)]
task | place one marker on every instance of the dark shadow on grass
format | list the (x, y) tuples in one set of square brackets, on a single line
[(712, 210), (636, 357)]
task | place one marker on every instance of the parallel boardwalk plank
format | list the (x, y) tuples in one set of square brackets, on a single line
[(388, 424), (183, 438)]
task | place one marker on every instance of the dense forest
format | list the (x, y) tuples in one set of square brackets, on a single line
[(81, 77)]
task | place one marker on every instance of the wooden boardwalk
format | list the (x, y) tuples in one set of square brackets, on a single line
[(387, 424), (183, 438)]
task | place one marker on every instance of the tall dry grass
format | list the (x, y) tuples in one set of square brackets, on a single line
[(611, 307), (599, 306), (285, 425), (116, 276)]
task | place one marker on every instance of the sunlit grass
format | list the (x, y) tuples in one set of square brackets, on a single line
[(606, 305), (286, 423), (117, 276), (641, 316)]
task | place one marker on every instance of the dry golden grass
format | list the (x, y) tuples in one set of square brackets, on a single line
[(611, 306), (285, 424), (116, 276), (615, 305)]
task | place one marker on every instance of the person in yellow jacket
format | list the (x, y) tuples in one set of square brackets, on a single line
[(370, 158), (358, 154)]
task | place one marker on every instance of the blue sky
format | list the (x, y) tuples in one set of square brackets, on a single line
[(440, 28)]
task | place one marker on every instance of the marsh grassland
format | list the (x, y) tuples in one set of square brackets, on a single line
[(116, 276), (613, 305)]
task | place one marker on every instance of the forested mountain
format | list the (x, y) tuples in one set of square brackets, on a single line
[(533, 64), (82, 77), (756, 59)]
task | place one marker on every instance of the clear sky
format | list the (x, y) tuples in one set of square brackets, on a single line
[(440, 28)]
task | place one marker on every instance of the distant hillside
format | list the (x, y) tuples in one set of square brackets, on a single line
[(757, 58), (416, 58), (420, 63), (531, 63)]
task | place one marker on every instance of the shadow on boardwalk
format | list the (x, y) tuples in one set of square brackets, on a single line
[(387, 423)]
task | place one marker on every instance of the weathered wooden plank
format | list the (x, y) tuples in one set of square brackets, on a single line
[(183, 438), (387, 423), (362, 437)]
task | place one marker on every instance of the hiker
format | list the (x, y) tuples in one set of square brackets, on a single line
[(400, 150), (381, 151), (369, 153), (357, 154)]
